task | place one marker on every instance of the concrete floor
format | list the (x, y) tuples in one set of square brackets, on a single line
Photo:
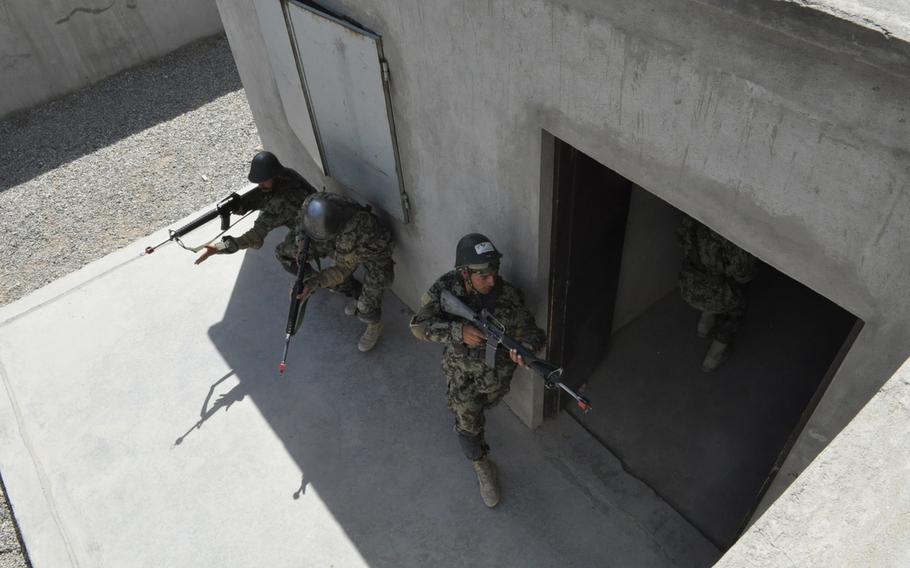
[(143, 423), (706, 442)]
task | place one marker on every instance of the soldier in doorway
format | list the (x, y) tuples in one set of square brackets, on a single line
[(283, 191), (711, 280), (472, 386), (350, 235)]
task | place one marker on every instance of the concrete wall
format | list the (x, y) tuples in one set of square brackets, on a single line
[(851, 507), (651, 256), (783, 128), (50, 48)]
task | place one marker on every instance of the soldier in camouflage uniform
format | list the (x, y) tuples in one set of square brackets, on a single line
[(350, 235), (472, 386), (282, 192), (711, 280)]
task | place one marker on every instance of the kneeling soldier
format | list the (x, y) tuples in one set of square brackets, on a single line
[(472, 385), (352, 236)]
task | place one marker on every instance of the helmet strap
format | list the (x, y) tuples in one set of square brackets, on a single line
[(466, 278)]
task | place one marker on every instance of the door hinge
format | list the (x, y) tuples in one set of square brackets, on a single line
[(386, 77), (406, 202)]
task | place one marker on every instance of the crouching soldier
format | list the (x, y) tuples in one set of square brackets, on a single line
[(472, 386), (282, 192), (350, 235)]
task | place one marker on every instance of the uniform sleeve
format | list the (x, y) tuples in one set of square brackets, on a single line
[(275, 213), (525, 329), (430, 323), (329, 277)]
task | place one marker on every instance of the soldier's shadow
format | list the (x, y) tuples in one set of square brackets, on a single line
[(224, 401)]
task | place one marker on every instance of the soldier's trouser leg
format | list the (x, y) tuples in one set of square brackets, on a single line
[(472, 445), (377, 277), (726, 326), (468, 405), (286, 253)]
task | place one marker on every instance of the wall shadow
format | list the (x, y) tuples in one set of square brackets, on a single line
[(39, 139)]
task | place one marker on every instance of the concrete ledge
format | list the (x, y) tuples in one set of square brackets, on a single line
[(851, 506)]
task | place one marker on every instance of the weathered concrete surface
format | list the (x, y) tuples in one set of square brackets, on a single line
[(143, 423), (851, 506), (782, 127), (48, 49)]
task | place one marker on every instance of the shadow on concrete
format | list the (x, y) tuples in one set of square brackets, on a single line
[(706, 442), (372, 436), (42, 138), (224, 401)]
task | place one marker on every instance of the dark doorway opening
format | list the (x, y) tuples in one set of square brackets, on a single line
[(708, 443)]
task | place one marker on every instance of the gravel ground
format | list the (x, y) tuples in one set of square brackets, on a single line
[(91, 172), (10, 552), (86, 174)]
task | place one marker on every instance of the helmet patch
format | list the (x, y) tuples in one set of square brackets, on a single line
[(484, 247)]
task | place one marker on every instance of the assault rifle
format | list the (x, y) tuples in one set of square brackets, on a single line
[(496, 336), (231, 204), (298, 306)]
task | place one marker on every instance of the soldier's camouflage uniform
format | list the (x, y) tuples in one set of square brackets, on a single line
[(278, 207), (712, 274), (472, 386), (362, 241)]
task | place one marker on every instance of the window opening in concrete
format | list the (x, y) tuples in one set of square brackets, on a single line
[(708, 443)]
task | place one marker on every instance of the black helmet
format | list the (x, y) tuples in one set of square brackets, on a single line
[(324, 215), (264, 167), (476, 253)]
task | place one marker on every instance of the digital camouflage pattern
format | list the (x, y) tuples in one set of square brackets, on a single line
[(713, 272), (472, 386), (278, 207), (362, 241)]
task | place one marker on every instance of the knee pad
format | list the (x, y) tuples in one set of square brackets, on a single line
[(473, 446)]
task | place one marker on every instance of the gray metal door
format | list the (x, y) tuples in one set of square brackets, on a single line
[(346, 82), (287, 75)]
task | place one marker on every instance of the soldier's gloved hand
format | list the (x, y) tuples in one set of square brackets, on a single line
[(472, 336)]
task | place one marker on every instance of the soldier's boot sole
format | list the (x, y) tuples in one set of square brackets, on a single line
[(489, 484), (370, 337), (715, 356)]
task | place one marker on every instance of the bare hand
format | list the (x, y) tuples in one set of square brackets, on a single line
[(307, 292), (516, 358), (472, 336), (209, 251)]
